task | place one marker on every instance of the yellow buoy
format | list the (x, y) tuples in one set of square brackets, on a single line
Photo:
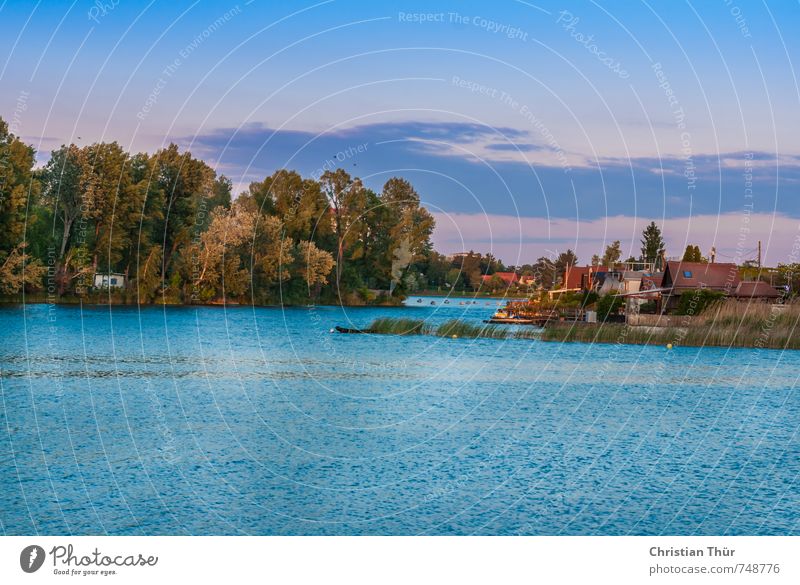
[(455, 336), (669, 346)]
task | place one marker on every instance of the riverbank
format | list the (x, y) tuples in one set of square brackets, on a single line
[(122, 301), (730, 324)]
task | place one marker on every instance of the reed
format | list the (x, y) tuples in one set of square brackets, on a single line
[(726, 324), (393, 326), (453, 328)]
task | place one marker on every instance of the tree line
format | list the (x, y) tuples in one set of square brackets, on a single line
[(168, 224)]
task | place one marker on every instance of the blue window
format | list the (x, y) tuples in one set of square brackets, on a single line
[(113, 281), (687, 273)]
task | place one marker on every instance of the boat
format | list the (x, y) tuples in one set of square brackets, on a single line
[(348, 330), (504, 317)]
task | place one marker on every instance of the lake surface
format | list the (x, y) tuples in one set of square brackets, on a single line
[(238, 420)]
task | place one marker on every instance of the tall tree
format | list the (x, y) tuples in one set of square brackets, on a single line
[(409, 226), (17, 269), (652, 244), (565, 260), (347, 201), (16, 182), (186, 184), (612, 254)]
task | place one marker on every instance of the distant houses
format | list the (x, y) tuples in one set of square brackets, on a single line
[(640, 283)]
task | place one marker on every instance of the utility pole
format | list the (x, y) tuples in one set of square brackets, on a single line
[(759, 255)]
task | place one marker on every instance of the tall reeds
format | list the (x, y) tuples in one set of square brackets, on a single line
[(729, 323), (452, 328)]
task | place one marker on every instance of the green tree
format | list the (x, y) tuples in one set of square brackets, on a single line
[(17, 185), (612, 254), (652, 244)]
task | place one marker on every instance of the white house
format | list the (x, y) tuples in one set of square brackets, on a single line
[(109, 280)]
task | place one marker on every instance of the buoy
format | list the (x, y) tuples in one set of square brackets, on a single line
[(332, 330), (669, 346), (455, 336)]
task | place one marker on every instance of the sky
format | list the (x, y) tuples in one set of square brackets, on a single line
[(526, 127)]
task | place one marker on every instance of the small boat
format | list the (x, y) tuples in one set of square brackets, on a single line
[(433, 302), (447, 302), (419, 300), (347, 330)]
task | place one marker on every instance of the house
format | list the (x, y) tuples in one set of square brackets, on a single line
[(508, 278), (581, 277), (756, 290), (681, 277), (109, 280)]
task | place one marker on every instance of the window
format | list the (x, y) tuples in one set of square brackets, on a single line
[(114, 281), (687, 273)]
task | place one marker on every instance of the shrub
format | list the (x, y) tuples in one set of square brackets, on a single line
[(694, 302), (608, 305)]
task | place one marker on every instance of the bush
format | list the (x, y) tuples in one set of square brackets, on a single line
[(694, 302), (609, 304), (648, 308)]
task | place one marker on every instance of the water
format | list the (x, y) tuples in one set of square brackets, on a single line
[(260, 421)]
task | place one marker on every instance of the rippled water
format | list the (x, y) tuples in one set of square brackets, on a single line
[(260, 421)]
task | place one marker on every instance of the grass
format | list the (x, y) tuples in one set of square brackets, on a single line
[(726, 324), (453, 328), (392, 326)]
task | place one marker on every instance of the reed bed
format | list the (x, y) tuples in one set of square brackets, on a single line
[(393, 326), (726, 324), (453, 328)]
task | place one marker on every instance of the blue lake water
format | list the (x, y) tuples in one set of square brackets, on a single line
[(261, 421)]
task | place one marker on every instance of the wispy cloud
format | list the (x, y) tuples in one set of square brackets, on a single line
[(470, 168)]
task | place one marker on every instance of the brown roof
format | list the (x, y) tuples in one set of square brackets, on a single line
[(578, 276), (756, 289), (722, 276), (507, 277)]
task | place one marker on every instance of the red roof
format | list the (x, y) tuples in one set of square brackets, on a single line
[(580, 276), (693, 275), (507, 277), (756, 289)]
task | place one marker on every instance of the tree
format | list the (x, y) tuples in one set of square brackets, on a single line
[(693, 254), (314, 266), (17, 270), (612, 254), (184, 184), (215, 266), (17, 184), (346, 199), (608, 305), (408, 224), (565, 260), (545, 273), (652, 244)]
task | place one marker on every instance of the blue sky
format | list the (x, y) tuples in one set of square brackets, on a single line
[(575, 122)]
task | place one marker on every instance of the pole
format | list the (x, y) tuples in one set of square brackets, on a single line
[(759, 255)]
